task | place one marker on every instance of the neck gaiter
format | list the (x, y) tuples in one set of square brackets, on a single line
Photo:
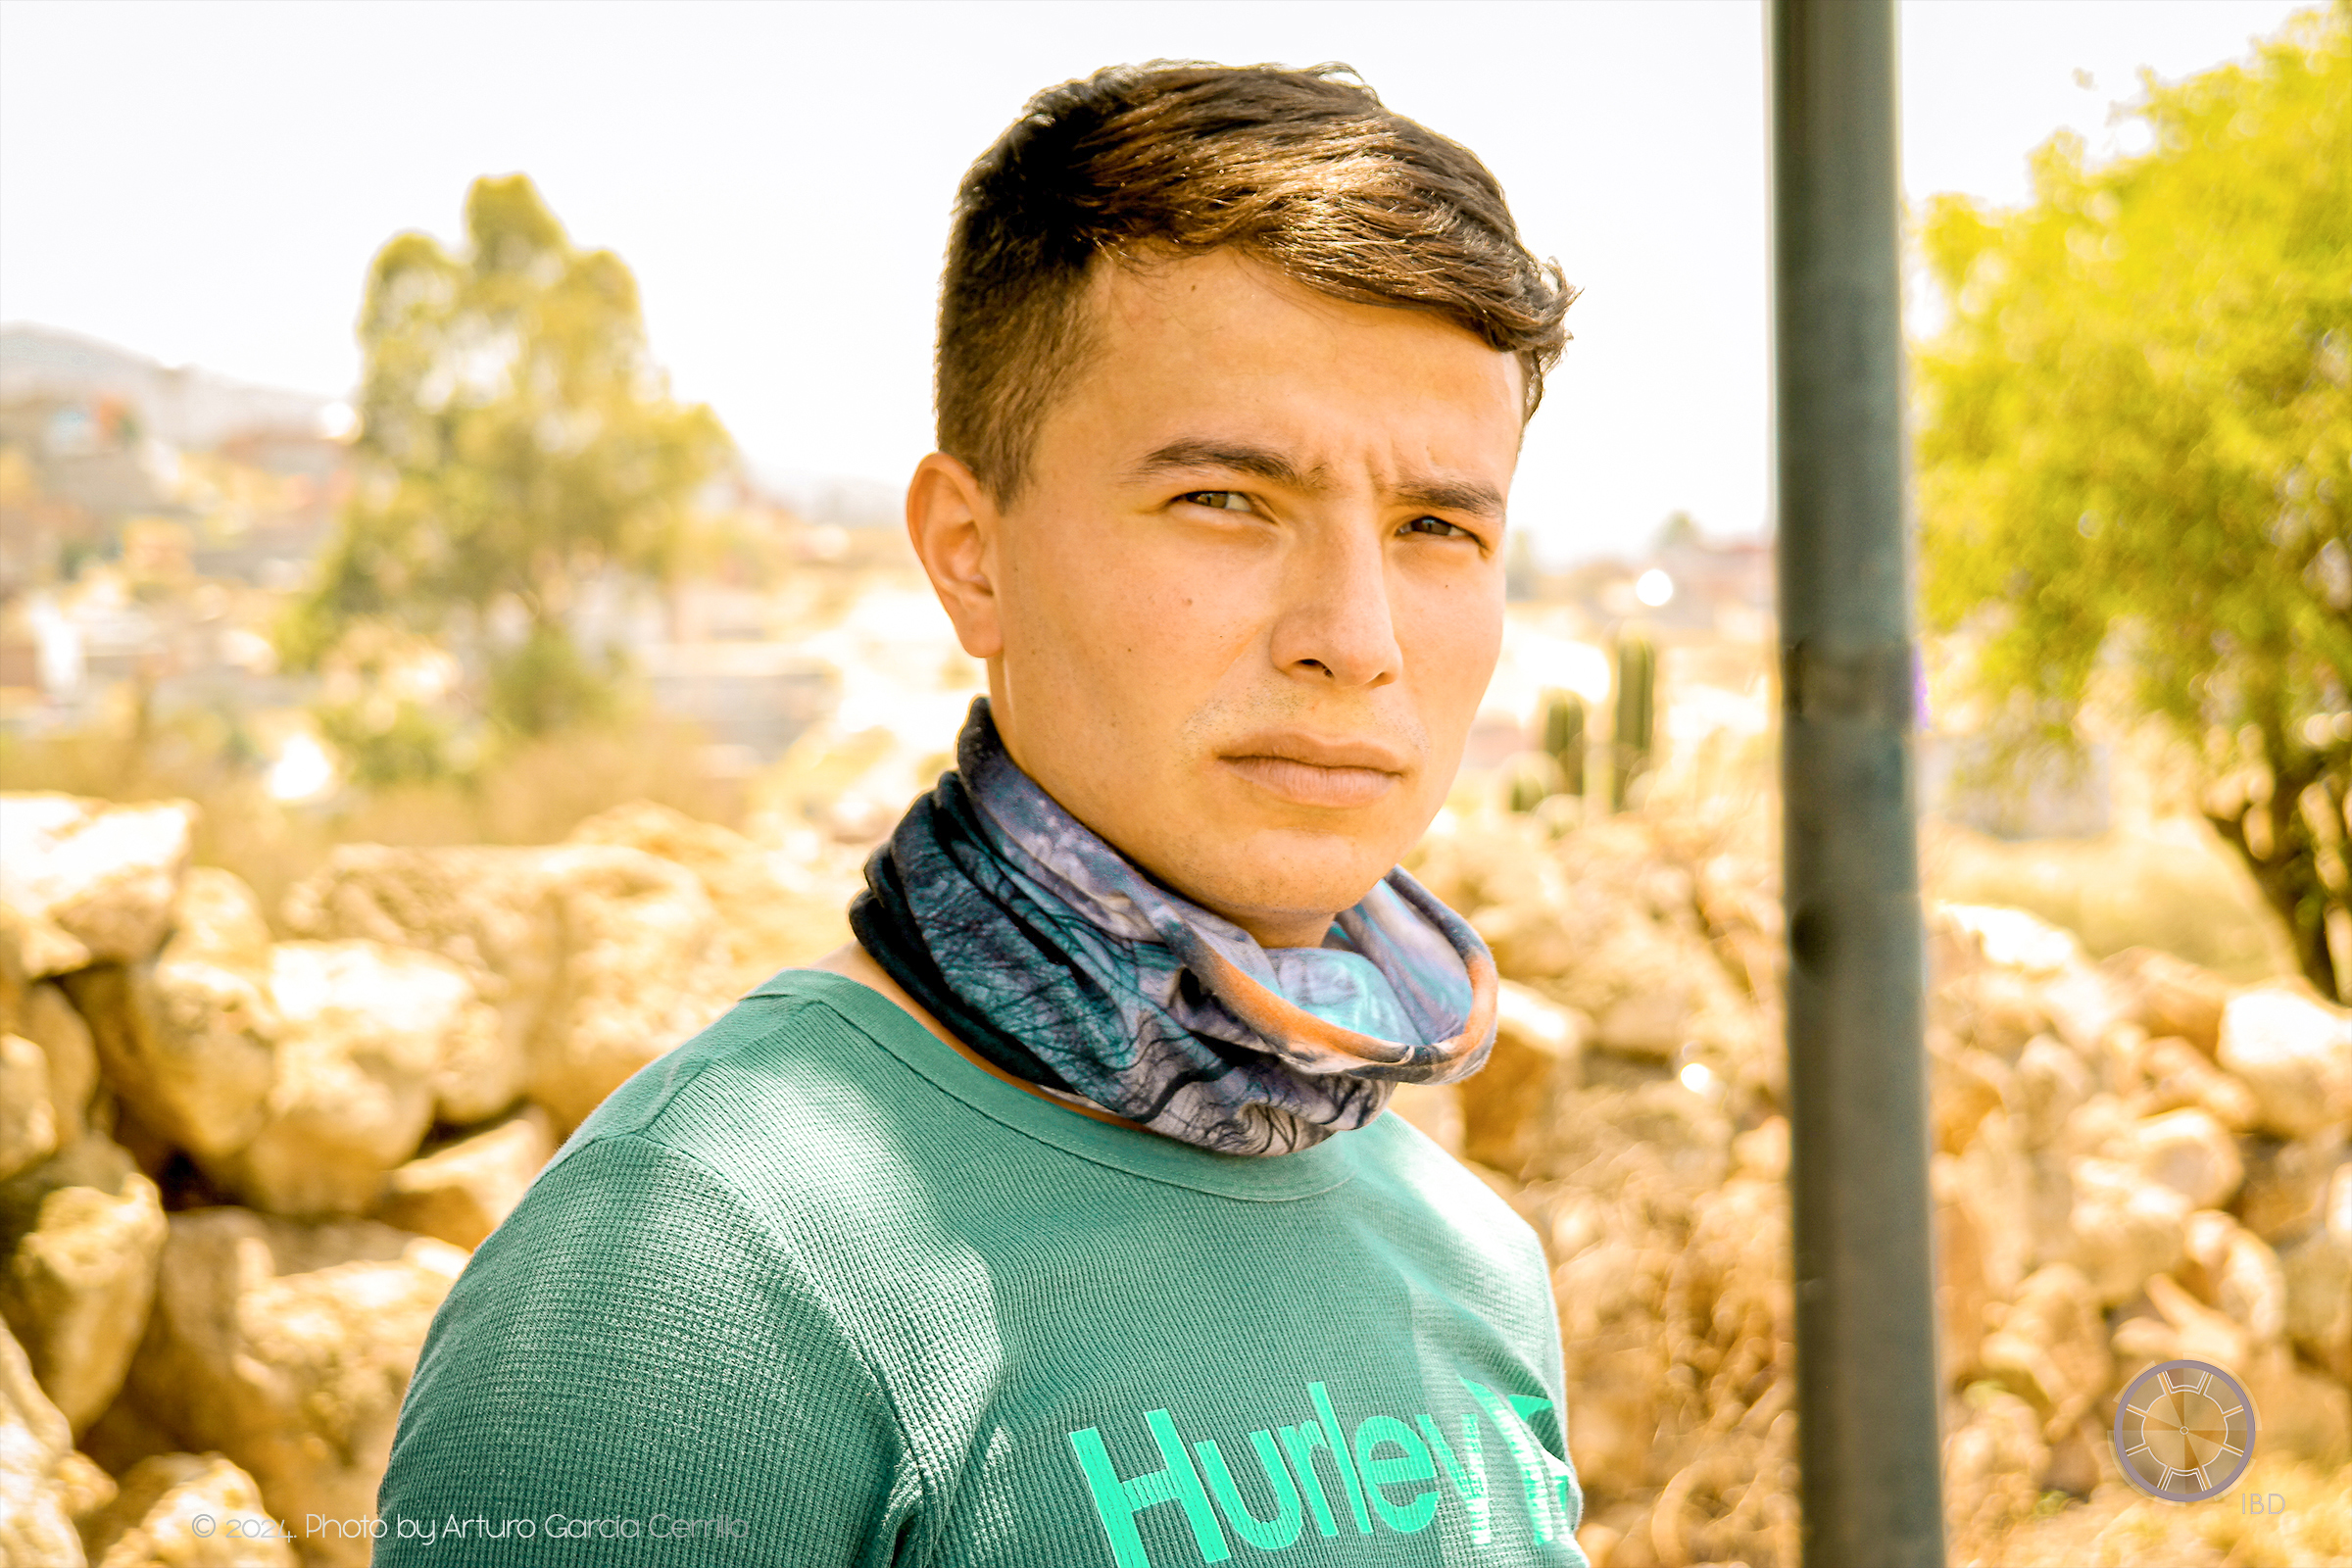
[(1053, 956)]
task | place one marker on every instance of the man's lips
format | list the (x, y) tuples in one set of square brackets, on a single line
[(1309, 770)]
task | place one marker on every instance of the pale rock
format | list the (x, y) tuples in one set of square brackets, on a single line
[(36, 1521), (2317, 1273), (2012, 1192), (1993, 1010), (364, 1033), (1963, 1290), (1633, 979), (2286, 1189), (151, 1522), (2295, 1054), (1739, 903), (1574, 1220), (27, 1116), (2187, 1151), (2301, 1412), (771, 914), (13, 978), (2049, 1208), (2170, 997), (85, 1487), (2080, 1458), (2050, 1084), (461, 1193), (2098, 1124), (487, 909), (1992, 1460), (1509, 1104), (2124, 1229), (2121, 1061), (2012, 975), (1613, 1416), (1604, 924), (597, 957), (645, 970), (2050, 1345), (189, 1040), (2083, 1007), (2178, 1076), (186, 1044), (286, 1348), (2012, 939), (2230, 1268), (2181, 1328), (1609, 1294), (85, 1234), (2336, 1206), (1762, 1151), (1965, 1085), (91, 882), (1657, 1132), (50, 1022), (217, 918)]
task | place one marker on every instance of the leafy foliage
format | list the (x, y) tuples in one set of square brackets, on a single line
[(516, 442), (2135, 453)]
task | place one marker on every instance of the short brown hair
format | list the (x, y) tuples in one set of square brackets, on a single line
[(1305, 170)]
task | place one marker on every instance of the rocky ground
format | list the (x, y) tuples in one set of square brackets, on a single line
[(2133, 1160), (242, 1159)]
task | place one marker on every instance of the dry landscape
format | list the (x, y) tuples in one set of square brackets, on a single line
[(245, 1150)]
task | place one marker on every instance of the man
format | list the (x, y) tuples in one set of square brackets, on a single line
[(1057, 1221)]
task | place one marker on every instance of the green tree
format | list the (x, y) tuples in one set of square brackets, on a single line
[(516, 440), (2136, 450)]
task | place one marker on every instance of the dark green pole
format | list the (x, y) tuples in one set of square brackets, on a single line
[(1866, 1382)]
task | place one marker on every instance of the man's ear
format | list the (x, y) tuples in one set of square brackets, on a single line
[(953, 525)]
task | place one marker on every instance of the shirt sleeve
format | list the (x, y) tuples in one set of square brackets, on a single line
[(631, 1371)]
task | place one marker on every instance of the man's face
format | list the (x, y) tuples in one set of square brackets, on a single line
[(1241, 616)]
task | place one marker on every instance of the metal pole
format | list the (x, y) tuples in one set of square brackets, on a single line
[(1867, 1383)]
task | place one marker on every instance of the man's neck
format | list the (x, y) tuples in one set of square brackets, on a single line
[(853, 961)]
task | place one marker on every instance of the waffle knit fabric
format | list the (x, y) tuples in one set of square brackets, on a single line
[(814, 1290)]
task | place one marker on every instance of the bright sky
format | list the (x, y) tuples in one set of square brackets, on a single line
[(206, 182)]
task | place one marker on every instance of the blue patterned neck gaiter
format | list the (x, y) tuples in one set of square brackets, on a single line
[(1047, 953)]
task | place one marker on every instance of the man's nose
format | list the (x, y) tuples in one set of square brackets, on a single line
[(1337, 625)]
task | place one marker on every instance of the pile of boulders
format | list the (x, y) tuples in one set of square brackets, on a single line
[(242, 1161), (2133, 1160), (239, 1173)]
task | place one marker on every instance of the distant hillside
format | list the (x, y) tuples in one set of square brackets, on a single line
[(181, 406)]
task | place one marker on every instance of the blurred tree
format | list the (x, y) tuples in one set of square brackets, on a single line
[(516, 440), (2135, 444)]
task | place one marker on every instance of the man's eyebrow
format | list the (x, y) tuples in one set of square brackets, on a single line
[(1452, 495), (1263, 463), (1191, 456)]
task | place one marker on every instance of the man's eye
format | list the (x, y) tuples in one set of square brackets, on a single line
[(1221, 499), (1437, 526)]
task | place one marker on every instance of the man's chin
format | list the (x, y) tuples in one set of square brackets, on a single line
[(1286, 878)]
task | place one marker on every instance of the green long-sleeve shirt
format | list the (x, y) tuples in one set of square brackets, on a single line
[(813, 1289)]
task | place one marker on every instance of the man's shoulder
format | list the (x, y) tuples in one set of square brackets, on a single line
[(777, 1090), (1415, 1182)]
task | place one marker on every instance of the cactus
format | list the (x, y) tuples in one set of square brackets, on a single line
[(1528, 780), (1564, 738), (1636, 716)]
